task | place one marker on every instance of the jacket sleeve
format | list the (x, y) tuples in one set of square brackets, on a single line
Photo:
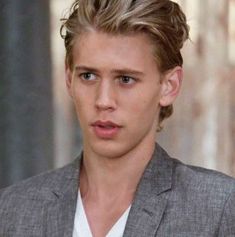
[(227, 224)]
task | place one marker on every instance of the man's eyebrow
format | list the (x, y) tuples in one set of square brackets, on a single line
[(130, 71), (121, 71), (85, 68)]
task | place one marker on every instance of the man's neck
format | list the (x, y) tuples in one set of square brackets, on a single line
[(109, 178)]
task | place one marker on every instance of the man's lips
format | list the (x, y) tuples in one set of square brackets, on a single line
[(105, 124), (105, 129)]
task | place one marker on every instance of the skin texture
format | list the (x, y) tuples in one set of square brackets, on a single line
[(116, 79)]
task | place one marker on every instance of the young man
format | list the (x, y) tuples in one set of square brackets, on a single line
[(123, 72)]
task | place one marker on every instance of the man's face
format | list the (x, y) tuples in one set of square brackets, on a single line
[(115, 86)]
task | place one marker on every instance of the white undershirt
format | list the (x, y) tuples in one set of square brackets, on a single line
[(82, 228)]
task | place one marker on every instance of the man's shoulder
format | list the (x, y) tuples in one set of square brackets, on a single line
[(193, 177), (199, 179), (37, 187), (25, 204)]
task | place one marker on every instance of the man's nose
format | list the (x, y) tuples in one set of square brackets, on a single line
[(105, 97)]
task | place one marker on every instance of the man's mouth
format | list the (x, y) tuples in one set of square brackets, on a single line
[(105, 124), (106, 129)]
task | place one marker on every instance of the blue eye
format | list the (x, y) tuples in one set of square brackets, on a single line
[(87, 76), (126, 80)]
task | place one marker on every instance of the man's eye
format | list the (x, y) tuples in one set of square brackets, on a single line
[(87, 76), (127, 80)]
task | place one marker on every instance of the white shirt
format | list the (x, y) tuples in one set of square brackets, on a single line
[(82, 228)]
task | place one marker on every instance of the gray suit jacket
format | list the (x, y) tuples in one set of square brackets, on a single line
[(172, 199)]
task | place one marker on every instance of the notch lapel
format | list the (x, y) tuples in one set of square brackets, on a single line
[(151, 197), (61, 211)]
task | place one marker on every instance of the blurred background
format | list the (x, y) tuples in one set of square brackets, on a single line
[(38, 127)]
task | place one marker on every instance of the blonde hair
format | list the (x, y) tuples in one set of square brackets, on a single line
[(162, 20)]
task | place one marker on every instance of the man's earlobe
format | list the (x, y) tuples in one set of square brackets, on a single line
[(171, 85)]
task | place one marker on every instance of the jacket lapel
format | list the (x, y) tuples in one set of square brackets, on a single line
[(61, 211), (151, 197)]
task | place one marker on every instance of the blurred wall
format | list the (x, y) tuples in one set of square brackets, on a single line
[(67, 135), (26, 112), (201, 131)]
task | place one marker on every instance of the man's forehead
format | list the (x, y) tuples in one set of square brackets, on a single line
[(99, 49)]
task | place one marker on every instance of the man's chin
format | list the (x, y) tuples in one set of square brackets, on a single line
[(109, 149)]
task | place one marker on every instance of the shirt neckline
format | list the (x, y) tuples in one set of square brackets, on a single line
[(82, 227)]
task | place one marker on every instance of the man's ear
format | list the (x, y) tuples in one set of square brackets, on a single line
[(171, 85), (68, 78)]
